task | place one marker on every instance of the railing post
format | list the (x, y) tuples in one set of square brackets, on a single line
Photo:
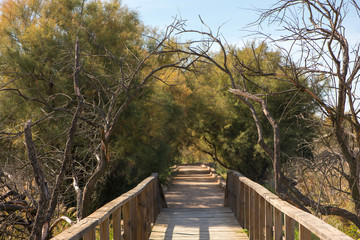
[(268, 221), (242, 204), (127, 220), (158, 200), (230, 191), (137, 208), (233, 193), (262, 219), (278, 224), (162, 199), (90, 235), (140, 218), (226, 195), (144, 216), (104, 230), (155, 200), (304, 233), (151, 203), (116, 221), (238, 197), (289, 228), (256, 215), (252, 214), (149, 212), (247, 207), (133, 226)]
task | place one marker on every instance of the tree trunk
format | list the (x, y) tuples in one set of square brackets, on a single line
[(103, 162), (275, 154), (36, 233)]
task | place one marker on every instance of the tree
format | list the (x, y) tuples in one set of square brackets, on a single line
[(240, 74), (223, 128), (74, 71), (297, 80), (148, 138), (328, 60)]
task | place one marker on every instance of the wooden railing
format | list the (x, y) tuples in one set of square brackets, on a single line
[(131, 215), (266, 216)]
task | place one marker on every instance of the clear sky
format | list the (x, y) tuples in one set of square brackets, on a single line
[(233, 15)]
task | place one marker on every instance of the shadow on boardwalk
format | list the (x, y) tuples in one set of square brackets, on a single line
[(195, 209)]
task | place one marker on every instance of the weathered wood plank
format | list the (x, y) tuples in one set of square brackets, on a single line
[(86, 226), (79, 230), (309, 221), (155, 200), (90, 235), (196, 209), (304, 233), (116, 221), (262, 219), (278, 224), (104, 230), (242, 204), (247, 207), (226, 194), (252, 215), (289, 228), (237, 199), (256, 216), (133, 218), (127, 220), (268, 221)]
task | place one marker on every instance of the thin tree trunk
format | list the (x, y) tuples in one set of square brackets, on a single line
[(91, 183), (273, 154), (36, 233)]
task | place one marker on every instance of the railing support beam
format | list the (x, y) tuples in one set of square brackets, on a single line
[(289, 228), (104, 230), (137, 210), (116, 218), (268, 217)]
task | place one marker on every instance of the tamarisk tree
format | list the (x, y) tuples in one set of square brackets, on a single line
[(67, 76), (321, 66)]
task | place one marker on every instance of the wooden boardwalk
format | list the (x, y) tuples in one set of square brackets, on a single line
[(195, 209), (196, 212)]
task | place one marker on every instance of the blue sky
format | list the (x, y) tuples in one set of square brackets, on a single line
[(233, 15)]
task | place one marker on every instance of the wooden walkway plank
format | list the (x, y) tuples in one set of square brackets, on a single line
[(195, 209)]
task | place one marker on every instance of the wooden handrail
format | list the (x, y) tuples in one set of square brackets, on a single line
[(132, 215), (266, 216)]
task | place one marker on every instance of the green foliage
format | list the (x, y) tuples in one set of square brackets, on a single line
[(36, 75), (351, 230), (193, 113), (148, 140), (219, 123), (344, 225)]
